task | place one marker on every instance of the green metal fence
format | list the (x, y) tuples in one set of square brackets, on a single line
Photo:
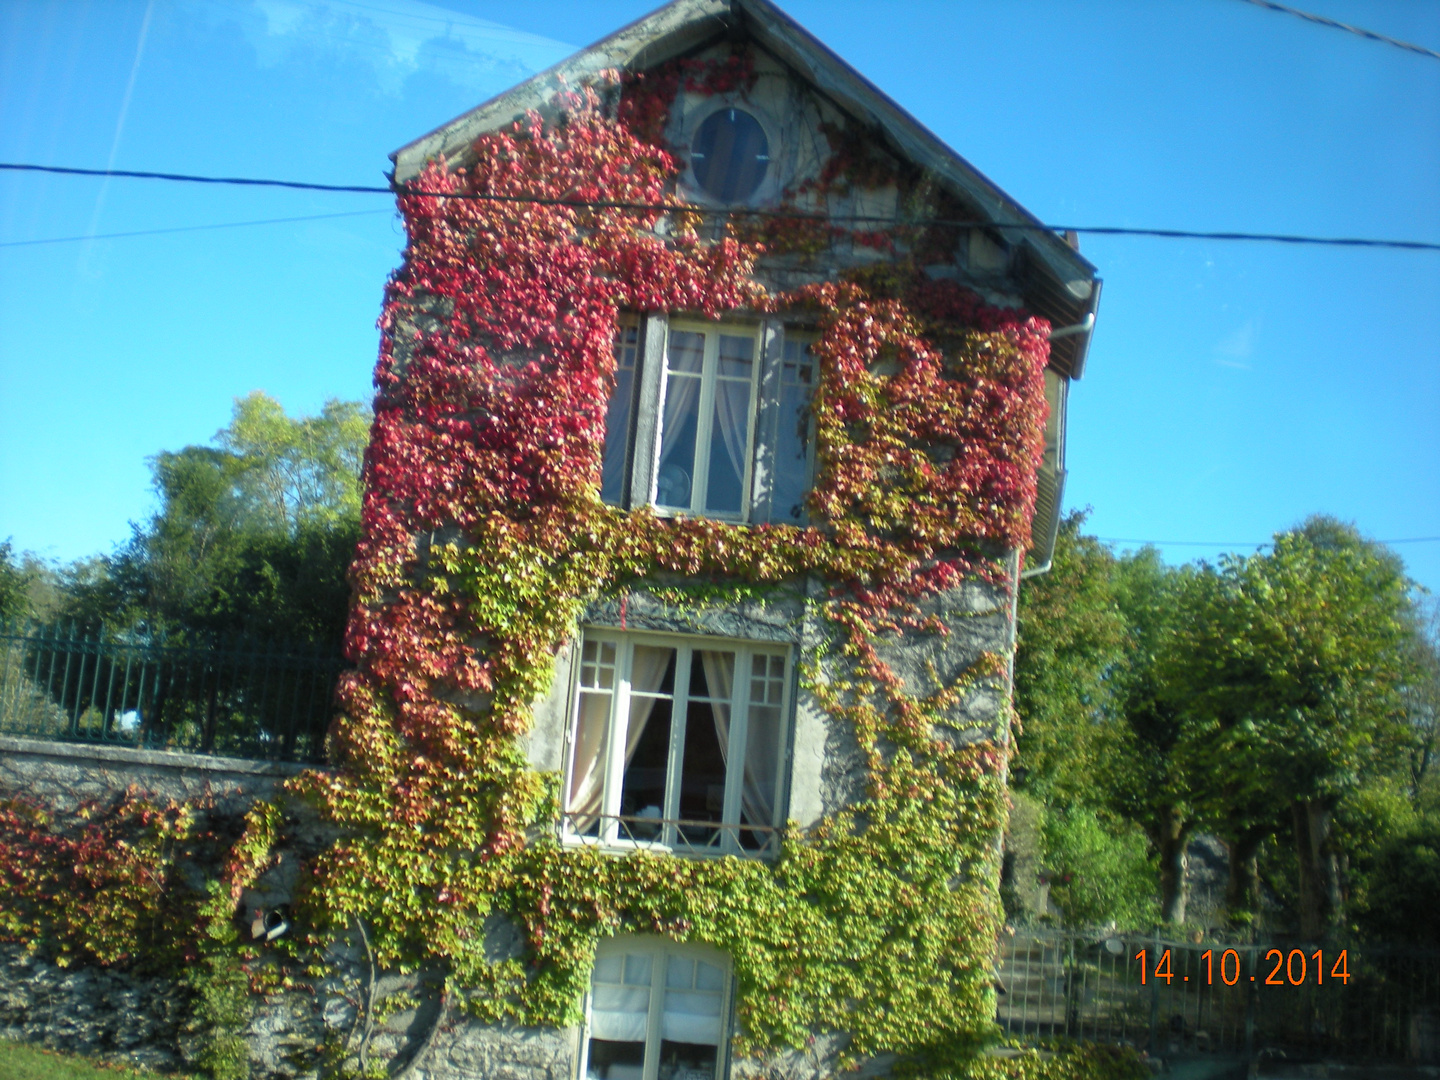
[(1248, 1000), (238, 697)]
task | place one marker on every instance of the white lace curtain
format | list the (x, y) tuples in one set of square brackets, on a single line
[(647, 671), (592, 732)]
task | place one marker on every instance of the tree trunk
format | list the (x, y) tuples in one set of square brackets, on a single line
[(1242, 886), (1319, 873), (1170, 839)]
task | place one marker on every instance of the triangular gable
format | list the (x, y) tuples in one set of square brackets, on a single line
[(1059, 283)]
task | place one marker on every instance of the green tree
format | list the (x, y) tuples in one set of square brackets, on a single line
[(253, 535), (1404, 881), (291, 473), (1145, 775), (1422, 697), (14, 585), (1291, 666), (1099, 872), (1070, 634)]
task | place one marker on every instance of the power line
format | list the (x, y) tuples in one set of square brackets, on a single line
[(188, 228), (593, 204), (1241, 543), (1337, 25)]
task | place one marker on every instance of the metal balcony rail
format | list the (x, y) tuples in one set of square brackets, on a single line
[(237, 697), (1252, 999), (680, 836)]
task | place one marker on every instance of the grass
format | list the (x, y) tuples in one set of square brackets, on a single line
[(22, 1061)]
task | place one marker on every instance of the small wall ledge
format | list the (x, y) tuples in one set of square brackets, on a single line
[(65, 774)]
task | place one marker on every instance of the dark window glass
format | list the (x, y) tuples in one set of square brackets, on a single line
[(730, 155), (792, 445)]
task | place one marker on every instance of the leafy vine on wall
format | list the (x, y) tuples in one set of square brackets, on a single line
[(485, 539)]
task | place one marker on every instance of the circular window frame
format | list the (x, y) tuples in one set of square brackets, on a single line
[(768, 189)]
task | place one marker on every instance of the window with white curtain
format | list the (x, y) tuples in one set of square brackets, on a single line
[(706, 420), (657, 1011), (689, 431), (678, 743)]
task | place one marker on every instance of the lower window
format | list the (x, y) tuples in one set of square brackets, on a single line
[(677, 742), (657, 1012)]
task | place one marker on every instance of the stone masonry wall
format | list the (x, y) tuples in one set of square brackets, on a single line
[(65, 775), (128, 1018)]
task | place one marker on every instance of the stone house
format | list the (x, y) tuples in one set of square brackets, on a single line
[(704, 721)]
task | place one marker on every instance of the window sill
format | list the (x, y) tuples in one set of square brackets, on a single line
[(675, 512)]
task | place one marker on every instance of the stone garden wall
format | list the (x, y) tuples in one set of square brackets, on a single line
[(126, 1017)]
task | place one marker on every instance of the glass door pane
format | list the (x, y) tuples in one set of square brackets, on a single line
[(647, 742), (690, 1023), (680, 422), (730, 425), (706, 745), (764, 746), (589, 747), (619, 1016)]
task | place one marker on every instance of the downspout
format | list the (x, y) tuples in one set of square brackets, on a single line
[(1083, 327)]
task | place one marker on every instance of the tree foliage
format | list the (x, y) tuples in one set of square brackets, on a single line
[(1291, 667), (14, 585), (1291, 693), (1070, 635), (253, 535), (1099, 872)]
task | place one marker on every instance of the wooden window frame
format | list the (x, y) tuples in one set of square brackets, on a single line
[(660, 950), (612, 827)]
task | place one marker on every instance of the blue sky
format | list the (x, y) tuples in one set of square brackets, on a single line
[(1231, 390)]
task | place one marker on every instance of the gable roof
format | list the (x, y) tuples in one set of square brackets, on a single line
[(1059, 284)]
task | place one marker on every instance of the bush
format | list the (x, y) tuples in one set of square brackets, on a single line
[(1098, 872), (1404, 882)]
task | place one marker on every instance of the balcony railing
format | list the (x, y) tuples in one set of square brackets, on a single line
[(680, 836), (236, 697)]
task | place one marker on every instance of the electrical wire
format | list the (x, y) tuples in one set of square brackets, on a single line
[(188, 228), (593, 204), (1335, 24), (1241, 543)]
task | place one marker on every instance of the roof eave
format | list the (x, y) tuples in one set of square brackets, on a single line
[(650, 39), (815, 60), (685, 24)]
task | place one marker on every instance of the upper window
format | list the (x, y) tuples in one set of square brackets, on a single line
[(694, 436), (705, 422), (657, 1011), (730, 155), (677, 742)]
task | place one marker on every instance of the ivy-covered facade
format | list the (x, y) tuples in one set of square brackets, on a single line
[(718, 415)]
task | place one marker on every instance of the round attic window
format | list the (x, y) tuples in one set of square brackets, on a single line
[(730, 155)]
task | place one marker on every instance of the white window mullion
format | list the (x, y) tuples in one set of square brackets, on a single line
[(619, 731), (657, 1013), (735, 752), (680, 707), (706, 422)]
